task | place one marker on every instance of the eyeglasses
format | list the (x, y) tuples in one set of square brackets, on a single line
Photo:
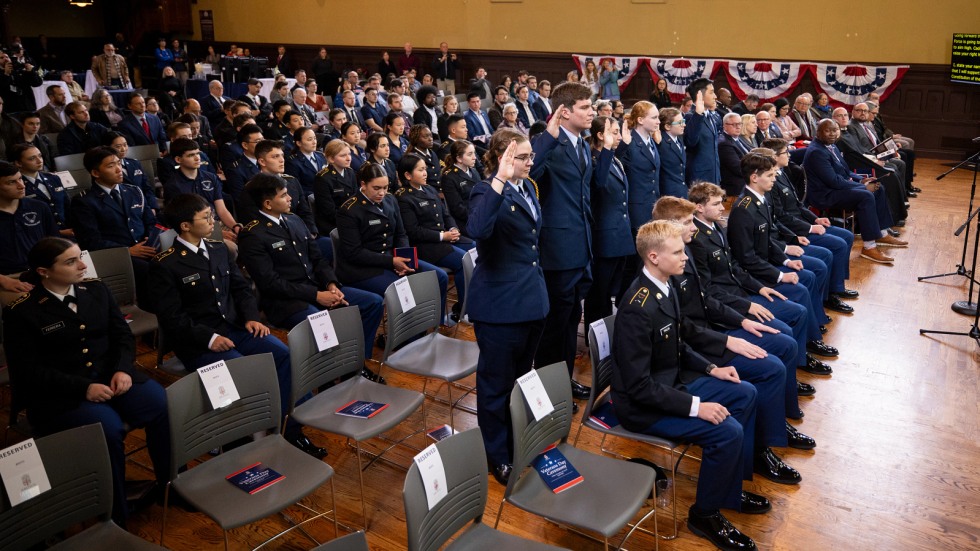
[(677, 123), (733, 124), (860, 110), (209, 218), (524, 158)]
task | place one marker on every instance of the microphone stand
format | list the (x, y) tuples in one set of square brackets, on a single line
[(965, 307), (974, 332)]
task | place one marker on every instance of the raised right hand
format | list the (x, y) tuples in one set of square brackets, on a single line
[(699, 103)]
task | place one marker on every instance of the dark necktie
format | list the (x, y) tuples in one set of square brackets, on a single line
[(282, 224), (871, 136), (582, 163), (201, 252), (117, 197), (146, 127), (69, 300)]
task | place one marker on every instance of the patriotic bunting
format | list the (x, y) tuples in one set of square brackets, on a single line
[(679, 72), (851, 84), (628, 66), (768, 80)]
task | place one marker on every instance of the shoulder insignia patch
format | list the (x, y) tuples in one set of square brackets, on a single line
[(349, 203), (641, 296), (209, 240), (251, 225), (744, 202), (696, 232), (400, 191), (19, 299), (537, 194), (323, 171), (164, 254)]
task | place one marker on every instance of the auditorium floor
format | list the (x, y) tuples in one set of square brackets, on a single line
[(898, 459)]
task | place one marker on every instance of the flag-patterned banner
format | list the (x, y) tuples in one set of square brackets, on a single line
[(628, 66), (681, 71), (850, 84), (768, 80)]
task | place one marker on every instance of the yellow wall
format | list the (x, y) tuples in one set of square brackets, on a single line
[(896, 31)]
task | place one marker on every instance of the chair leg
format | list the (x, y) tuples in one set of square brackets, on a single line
[(499, 510), (360, 479), (163, 520), (452, 421), (226, 539), (333, 499)]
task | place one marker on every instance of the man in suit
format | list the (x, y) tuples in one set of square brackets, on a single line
[(754, 245), (661, 386), (542, 106), (53, 117), (830, 185), (426, 113), (723, 102), (731, 149), (113, 214), (746, 106), (79, 134), (283, 62), (478, 127), (866, 135), (351, 110), (701, 134), (207, 308), (213, 106), (564, 172), (906, 146), (804, 118), (298, 97), (140, 127), (766, 128), (293, 279), (256, 102), (109, 69), (501, 96)]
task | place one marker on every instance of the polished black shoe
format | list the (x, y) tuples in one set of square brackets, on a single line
[(846, 294), (372, 376), (799, 440), (719, 531), (821, 349), (894, 233), (915, 189), (754, 504), (804, 389), (837, 305), (768, 465), (816, 366), (304, 444), (912, 194), (580, 391), (501, 473)]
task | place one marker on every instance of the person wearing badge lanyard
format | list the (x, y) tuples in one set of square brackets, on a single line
[(71, 357), (508, 301)]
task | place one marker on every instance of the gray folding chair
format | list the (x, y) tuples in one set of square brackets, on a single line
[(196, 428), (433, 356), (167, 238), (465, 462), (77, 464), (53, 141), (147, 155), (468, 267), (620, 487), (350, 542), (73, 164), (601, 379), (115, 269), (312, 369)]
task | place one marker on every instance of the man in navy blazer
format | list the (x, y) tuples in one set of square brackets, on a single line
[(213, 106), (140, 127), (563, 170), (830, 185), (478, 128), (701, 134), (731, 149)]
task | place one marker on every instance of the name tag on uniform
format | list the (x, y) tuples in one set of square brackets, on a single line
[(665, 329), (374, 222), (716, 254), (423, 203), (278, 244), (762, 227), (59, 189), (684, 285), (190, 278), (53, 327)]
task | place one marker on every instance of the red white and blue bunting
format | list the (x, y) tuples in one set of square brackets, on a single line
[(680, 71), (851, 84), (628, 66), (768, 80)]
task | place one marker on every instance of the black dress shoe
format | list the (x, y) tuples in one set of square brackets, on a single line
[(910, 193), (799, 440), (821, 349), (719, 531), (837, 305), (894, 233), (823, 329), (304, 445), (580, 391), (816, 367), (754, 504), (501, 473), (372, 376), (804, 389), (846, 293), (768, 465), (915, 189)]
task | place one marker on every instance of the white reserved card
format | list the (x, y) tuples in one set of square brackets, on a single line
[(90, 272), (535, 394), (67, 179), (405, 296), (473, 255), (433, 475), (219, 384), (601, 338), (323, 330), (23, 472)]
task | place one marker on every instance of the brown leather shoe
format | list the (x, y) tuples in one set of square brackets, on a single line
[(889, 241), (875, 255)]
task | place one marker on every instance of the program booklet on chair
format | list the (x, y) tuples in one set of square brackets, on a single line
[(411, 253), (605, 416), (556, 470), (254, 478), (361, 409), (441, 433)]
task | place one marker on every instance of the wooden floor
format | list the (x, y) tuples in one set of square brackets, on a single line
[(898, 459)]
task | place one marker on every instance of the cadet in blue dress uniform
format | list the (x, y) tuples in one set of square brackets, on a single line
[(189, 178), (132, 169), (305, 161), (673, 154), (351, 135), (71, 357), (378, 151), (420, 143), (701, 134), (458, 180), (508, 298), (642, 161), (42, 186), (245, 165), (23, 222)]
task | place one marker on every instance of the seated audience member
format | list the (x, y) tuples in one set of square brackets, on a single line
[(79, 135), (298, 100), (23, 222), (40, 185), (455, 131), (731, 149), (397, 139), (420, 142), (906, 146), (426, 113), (428, 224), (542, 105), (30, 134), (755, 247), (170, 92), (291, 122), (525, 113), (884, 132), (787, 126), (315, 100), (189, 178), (749, 128), (397, 86), (352, 135), (830, 185), (53, 117), (370, 227), (673, 154), (746, 106), (209, 323), (450, 108), (337, 118), (295, 281), (725, 280), (662, 387), (71, 357), (132, 169), (481, 85), (765, 127), (660, 97), (701, 133), (603, 108), (495, 113), (478, 126), (458, 178), (371, 112), (333, 184), (76, 90), (280, 91), (104, 110), (272, 161), (245, 165), (378, 151), (166, 165), (305, 161), (511, 121), (352, 109), (865, 134), (140, 127), (225, 130), (805, 120), (823, 106), (686, 105), (395, 107), (231, 149), (256, 102), (723, 105), (203, 131), (153, 108), (212, 107)]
